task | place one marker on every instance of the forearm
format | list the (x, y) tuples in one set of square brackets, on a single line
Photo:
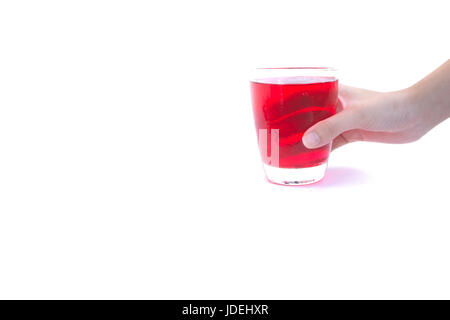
[(432, 94)]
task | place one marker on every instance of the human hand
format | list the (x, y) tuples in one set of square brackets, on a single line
[(393, 117)]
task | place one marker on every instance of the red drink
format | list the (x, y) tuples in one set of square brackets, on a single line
[(292, 105)]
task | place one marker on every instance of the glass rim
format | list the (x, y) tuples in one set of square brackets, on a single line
[(275, 75), (298, 68)]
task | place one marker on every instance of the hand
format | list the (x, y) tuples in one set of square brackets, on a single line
[(393, 117)]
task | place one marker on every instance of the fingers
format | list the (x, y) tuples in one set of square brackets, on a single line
[(348, 93), (326, 130), (338, 142), (345, 91), (347, 137), (348, 119), (339, 105)]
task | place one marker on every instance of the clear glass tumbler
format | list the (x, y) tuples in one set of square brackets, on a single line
[(286, 102)]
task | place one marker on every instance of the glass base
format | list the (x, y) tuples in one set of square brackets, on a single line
[(296, 176)]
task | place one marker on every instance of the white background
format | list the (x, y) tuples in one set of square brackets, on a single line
[(129, 166)]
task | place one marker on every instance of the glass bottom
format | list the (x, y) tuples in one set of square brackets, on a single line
[(297, 176)]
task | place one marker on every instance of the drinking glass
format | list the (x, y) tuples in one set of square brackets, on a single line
[(286, 102)]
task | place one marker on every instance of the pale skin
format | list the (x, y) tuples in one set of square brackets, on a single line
[(389, 117)]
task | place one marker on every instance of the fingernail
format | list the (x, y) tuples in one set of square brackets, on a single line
[(311, 140)]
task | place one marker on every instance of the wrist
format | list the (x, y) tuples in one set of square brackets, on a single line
[(427, 102), (405, 103)]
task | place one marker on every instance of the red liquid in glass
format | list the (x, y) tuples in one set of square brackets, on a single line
[(292, 105)]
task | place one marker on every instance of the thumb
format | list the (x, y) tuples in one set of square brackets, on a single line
[(326, 130)]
